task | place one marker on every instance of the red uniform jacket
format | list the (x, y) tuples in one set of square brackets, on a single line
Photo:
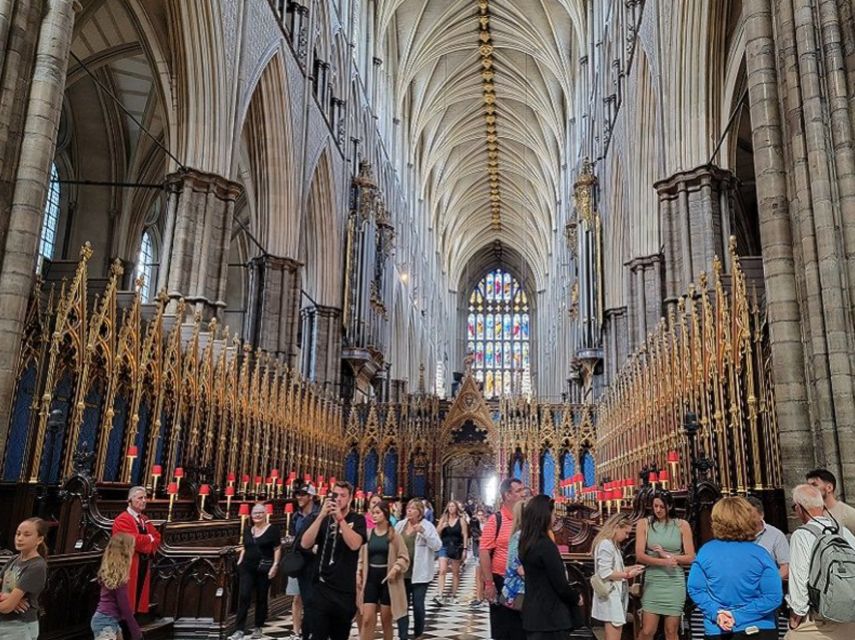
[(138, 584)]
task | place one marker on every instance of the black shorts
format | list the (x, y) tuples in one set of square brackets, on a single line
[(377, 591)]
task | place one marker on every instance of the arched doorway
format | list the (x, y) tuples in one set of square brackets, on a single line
[(469, 467)]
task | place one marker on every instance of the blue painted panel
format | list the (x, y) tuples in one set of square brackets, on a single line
[(588, 469), (115, 455), (91, 418), (17, 444), (568, 465), (351, 467), (55, 437), (518, 469), (547, 473), (390, 473), (371, 465)]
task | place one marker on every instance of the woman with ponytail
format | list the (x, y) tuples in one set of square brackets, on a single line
[(114, 607), (21, 582)]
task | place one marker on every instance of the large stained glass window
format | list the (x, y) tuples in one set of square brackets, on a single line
[(498, 329)]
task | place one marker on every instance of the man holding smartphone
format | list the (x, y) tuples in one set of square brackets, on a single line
[(338, 533)]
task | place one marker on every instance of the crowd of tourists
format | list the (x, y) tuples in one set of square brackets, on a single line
[(345, 568)]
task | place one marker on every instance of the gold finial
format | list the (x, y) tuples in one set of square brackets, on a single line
[(86, 251)]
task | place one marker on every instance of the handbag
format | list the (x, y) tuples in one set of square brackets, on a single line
[(516, 603), (602, 588)]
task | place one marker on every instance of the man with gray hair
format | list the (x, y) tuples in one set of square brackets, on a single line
[(809, 507), (134, 522)]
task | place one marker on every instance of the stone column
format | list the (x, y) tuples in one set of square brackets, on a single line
[(645, 297), (782, 305), (43, 68), (327, 345), (198, 232), (695, 224), (273, 306), (615, 342)]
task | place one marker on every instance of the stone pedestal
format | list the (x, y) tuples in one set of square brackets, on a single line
[(200, 217), (274, 301), (695, 220)]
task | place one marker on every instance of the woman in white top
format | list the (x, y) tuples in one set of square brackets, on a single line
[(608, 565), (422, 542)]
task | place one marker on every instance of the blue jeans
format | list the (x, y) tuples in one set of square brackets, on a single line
[(416, 593), (19, 630), (104, 627)]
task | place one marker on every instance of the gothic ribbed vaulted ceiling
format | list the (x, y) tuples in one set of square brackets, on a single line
[(489, 88)]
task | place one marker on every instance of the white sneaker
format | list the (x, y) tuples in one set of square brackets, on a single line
[(256, 634), (237, 635)]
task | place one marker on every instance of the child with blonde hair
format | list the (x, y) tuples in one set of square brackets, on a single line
[(114, 607)]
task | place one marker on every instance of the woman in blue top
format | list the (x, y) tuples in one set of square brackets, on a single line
[(734, 581)]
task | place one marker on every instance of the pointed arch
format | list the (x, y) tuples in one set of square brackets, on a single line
[(268, 138), (324, 251)]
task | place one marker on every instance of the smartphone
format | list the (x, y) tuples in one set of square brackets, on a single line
[(752, 630)]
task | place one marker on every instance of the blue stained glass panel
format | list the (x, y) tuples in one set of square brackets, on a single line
[(498, 356), (525, 326), (479, 324), (470, 328), (489, 287), (498, 326), (489, 333), (488, 360)]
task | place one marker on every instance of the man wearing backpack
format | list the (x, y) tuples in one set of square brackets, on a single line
[(822, 573)]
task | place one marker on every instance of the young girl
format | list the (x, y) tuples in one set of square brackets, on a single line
[(115, 603), (23, 579)]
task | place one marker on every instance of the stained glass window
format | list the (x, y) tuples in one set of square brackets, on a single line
[(50, 220), (145, 266), (498, 332)]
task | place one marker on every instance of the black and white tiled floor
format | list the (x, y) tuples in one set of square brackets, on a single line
[(457, 621)]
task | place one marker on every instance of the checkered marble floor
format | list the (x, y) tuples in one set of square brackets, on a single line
[(456, 621)]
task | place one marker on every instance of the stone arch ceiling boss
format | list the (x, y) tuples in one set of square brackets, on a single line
[(486, 90)]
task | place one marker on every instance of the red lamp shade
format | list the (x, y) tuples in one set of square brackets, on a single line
[(274, 473), (332, 481), (230, 491), (269, 480), (400, 491), (205, 490), (278, 482), (673, 456), (133, 451), (322, 491), (359, 494), (268, 508), (630, 482), (289, 508), (664, 476), (244, 509), (156, 470), (307, 478), (320, 479), (231, 477), (617, 494), (292, 475), (172, 488), (601, 496), (653, 477), (245, 478), (257, 479), (179, 472)]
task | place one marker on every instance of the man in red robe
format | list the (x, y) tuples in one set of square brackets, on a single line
[(134, 522)]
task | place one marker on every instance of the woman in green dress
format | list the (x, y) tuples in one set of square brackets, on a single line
[(664, 545)]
